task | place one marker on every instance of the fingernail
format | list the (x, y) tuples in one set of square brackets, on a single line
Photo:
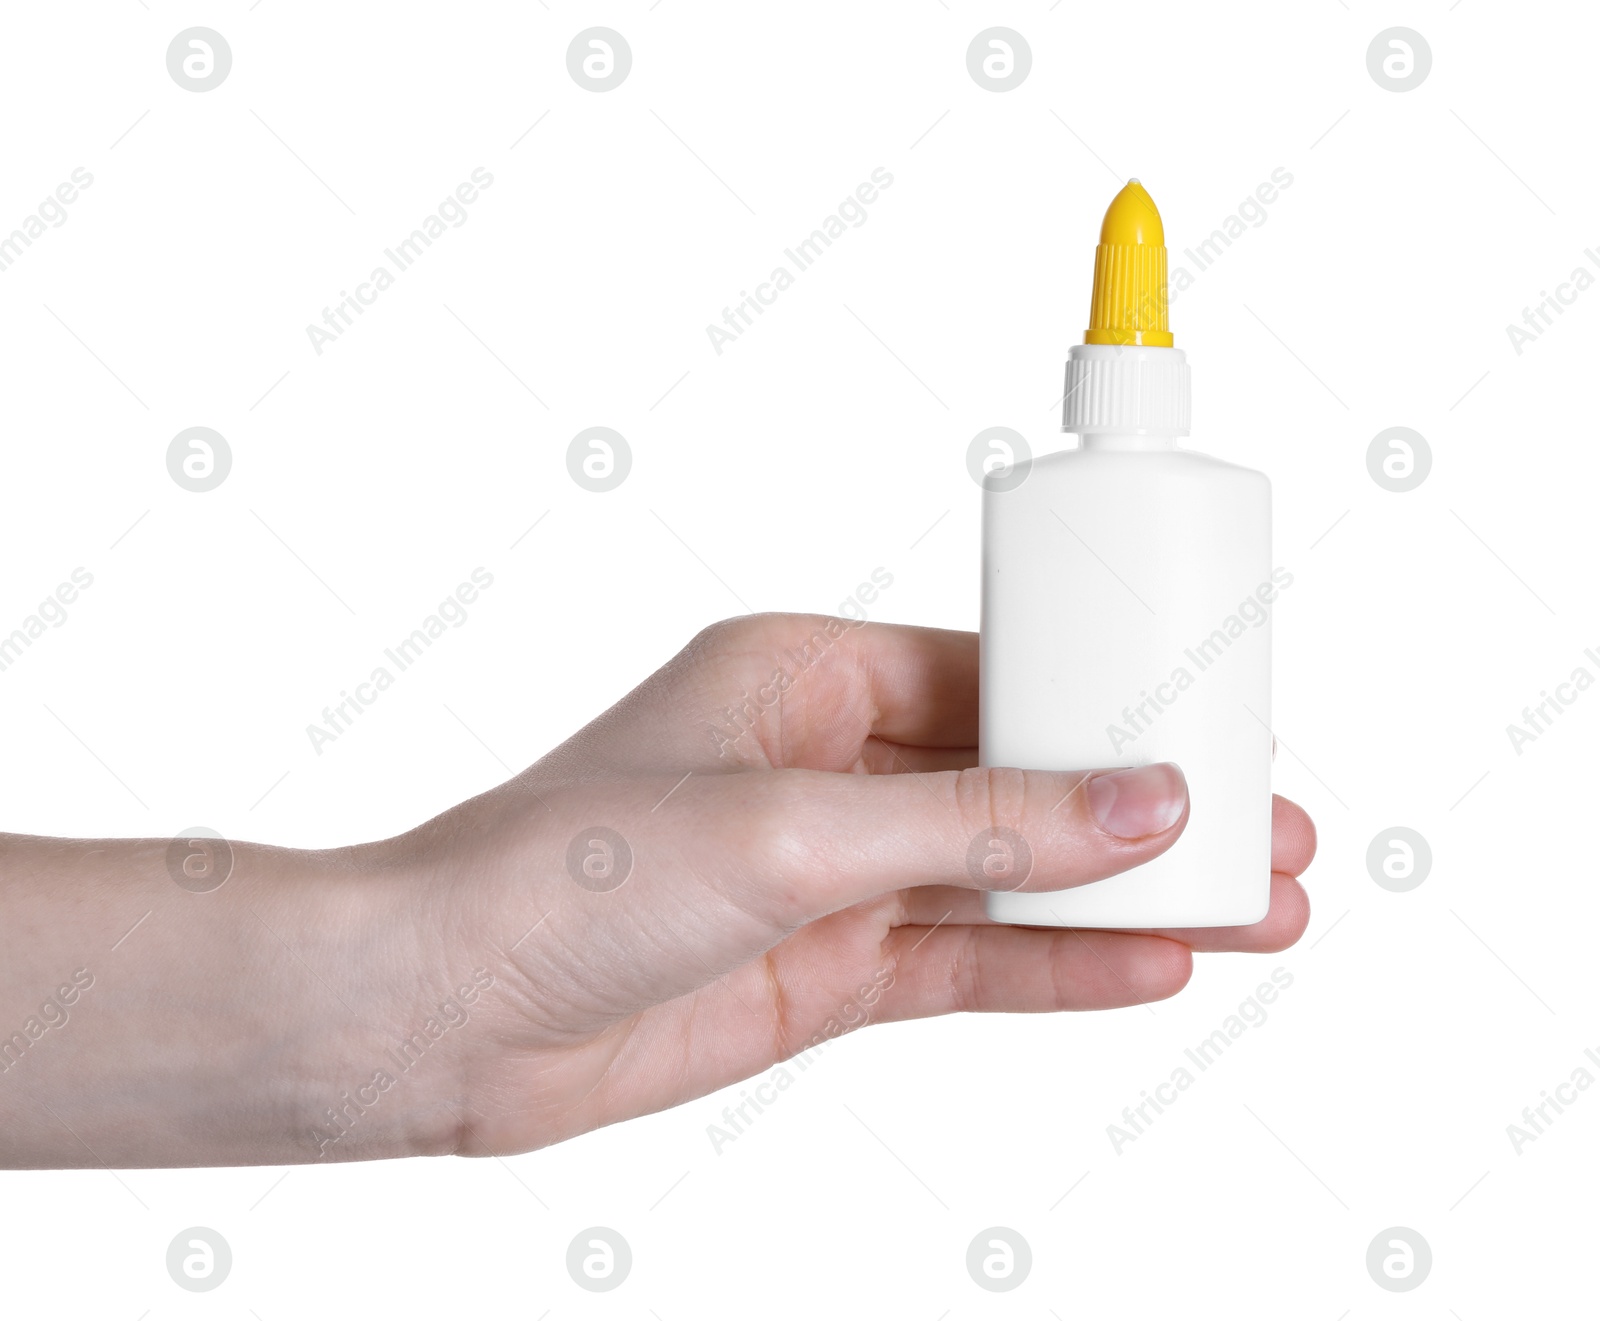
[(1143, 801)]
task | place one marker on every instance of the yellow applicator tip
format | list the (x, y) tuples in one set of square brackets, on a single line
[(1129, 305), (1132, 219)]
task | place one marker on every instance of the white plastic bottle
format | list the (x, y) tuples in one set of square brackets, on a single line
[(1127, 591)]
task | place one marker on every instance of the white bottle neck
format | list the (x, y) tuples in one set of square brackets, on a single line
[(1118, 389), (1117, 440)]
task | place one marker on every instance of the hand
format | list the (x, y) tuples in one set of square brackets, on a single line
[(784, 812), (761, 847)]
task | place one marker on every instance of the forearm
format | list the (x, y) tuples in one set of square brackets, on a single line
[(146, 1020)]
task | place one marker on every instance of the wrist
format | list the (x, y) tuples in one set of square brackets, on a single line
[(394, 1003), (232, 1023)]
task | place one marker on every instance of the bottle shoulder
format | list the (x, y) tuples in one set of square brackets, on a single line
[(1081, 462)]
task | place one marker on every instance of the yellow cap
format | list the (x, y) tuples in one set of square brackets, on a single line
[(1130, 274)]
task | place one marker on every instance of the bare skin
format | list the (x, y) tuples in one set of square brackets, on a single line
[(502, 977)]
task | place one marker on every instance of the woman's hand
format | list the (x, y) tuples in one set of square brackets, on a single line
[(765, 845), (762, 846)]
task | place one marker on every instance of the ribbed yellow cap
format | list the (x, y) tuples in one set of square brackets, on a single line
[(1130, 274)]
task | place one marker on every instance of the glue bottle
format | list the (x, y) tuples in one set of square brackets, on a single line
[(1127, 592)]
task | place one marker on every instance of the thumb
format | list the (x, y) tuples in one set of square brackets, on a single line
[(813, 842)]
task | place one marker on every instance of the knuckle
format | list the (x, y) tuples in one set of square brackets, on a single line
[(963, 981), (780, 829), (781, 848), (710, 641), (713, 634), (1013, 836), (734, 634), (992, 798)]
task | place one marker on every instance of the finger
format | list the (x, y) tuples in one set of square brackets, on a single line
[(922, 683), (821, 984), (1294, 837), (797, 845), (795, 690), (1016, 970), (1285, 922)]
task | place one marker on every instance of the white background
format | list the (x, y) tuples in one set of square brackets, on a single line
[(826, 442)]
